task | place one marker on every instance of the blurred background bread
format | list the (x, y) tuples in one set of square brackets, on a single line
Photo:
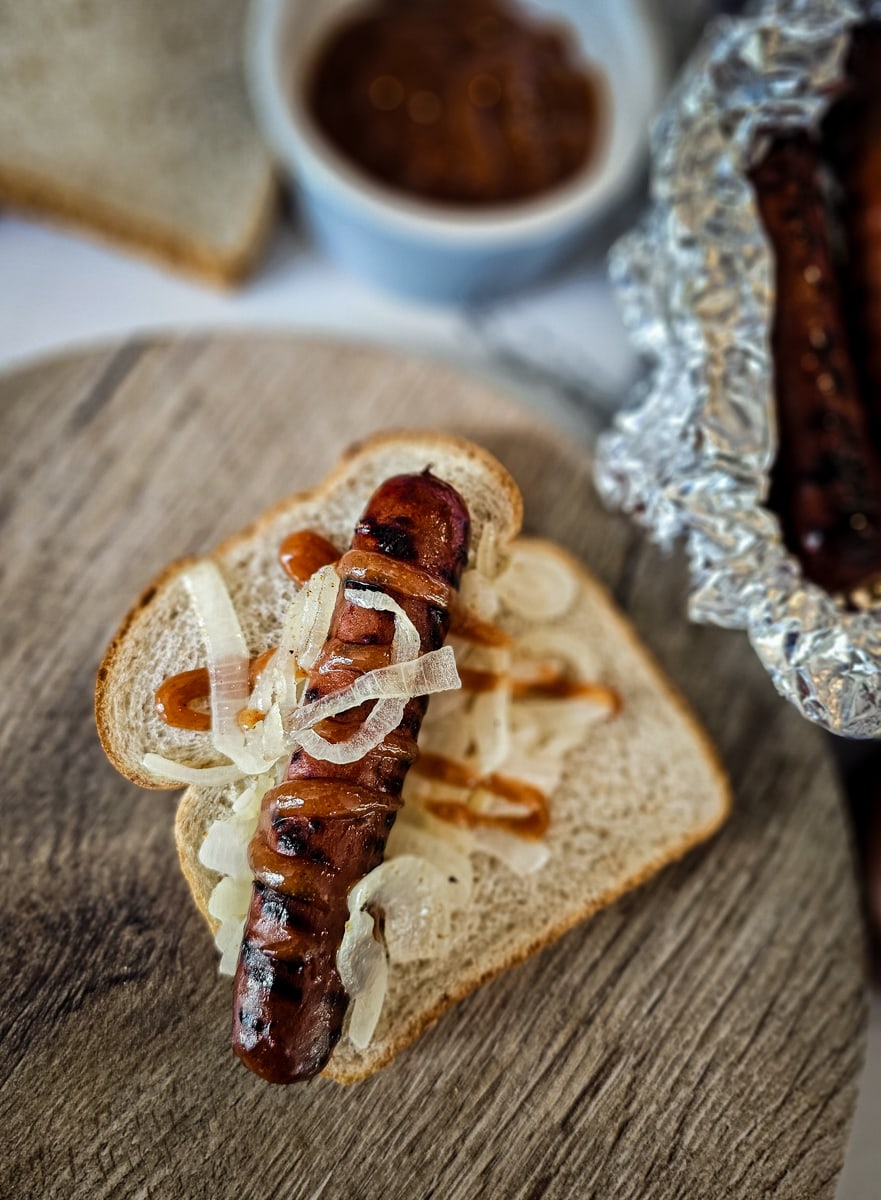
[(132, 119)]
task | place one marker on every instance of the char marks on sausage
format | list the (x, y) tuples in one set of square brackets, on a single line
[(325, 826)]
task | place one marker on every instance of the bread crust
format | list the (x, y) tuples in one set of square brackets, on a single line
[(199, 806), (361, 452), (37, 196), (107, 734)]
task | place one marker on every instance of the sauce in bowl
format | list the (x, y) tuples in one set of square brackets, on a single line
[(466, 102)]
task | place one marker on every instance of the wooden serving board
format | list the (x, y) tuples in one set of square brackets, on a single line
[(701, 1038)]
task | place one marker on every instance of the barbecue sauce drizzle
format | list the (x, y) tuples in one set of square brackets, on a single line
[(304, 552), (311, 830)]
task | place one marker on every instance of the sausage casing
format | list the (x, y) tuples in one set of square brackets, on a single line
[(326, 825), (852, 142), (826, 483)]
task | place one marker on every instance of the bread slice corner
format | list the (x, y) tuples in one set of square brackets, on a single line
[(132, 121)]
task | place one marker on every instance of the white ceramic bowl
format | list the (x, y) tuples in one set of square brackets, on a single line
[(422, 249)]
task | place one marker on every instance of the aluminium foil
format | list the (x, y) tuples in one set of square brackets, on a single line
[(691, 457)]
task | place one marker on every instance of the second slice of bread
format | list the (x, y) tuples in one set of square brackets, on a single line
[(132, 119)]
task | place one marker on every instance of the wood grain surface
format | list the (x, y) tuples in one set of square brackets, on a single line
[(700, 1039)]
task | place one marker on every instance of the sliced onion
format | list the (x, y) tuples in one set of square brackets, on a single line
[(558, 646), (478, 595), (274, 683), (319, 599), (228, 940), (407, 838), (537, 583), (416, 900), (445, 729), (386, 716), (414, 816), (274, 743), (551, 728), (446, 707), (225, 848), (290, 643), (228, 659), (392, 686), (230, 899), (491, 730), (264, 689), (167, 768), (540, 770), (246, 801), (307, 623), (357, 952), (486, 558), (472, 725), (403, 679), (405, 643), (433, 672), (363, 969), (488, 803), (258, 749), (522, 855)]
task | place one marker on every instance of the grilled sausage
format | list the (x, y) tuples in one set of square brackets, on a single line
[(826, 484), (852, 140), (326, 826)]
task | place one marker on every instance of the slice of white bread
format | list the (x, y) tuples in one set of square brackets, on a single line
[(132, 119), (638, 793)]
